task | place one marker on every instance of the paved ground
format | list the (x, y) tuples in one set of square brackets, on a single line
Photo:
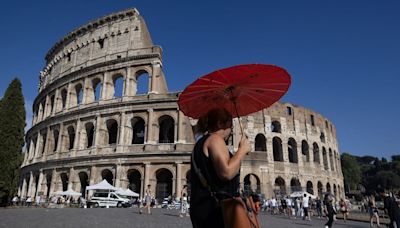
[(129, 217)]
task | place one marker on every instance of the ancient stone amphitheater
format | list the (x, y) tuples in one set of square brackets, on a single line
[(104, 112)]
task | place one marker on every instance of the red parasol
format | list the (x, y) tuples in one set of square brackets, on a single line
[(241, 90)]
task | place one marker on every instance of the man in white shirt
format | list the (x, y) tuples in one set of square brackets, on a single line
[(305, 207)]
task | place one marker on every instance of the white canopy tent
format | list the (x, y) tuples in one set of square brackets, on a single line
[(301, 194), (127, 192), (103, 185), (69, 192)]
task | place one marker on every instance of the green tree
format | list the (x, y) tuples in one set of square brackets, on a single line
[(351, 171), (12, 124), (387, 179)]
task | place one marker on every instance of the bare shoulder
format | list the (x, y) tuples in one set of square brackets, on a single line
[(212, 142)]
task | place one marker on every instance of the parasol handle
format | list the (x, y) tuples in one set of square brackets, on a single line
[(237, 114)]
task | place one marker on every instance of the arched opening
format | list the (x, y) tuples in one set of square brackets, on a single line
[(79, 94), (328, 187), (89, 134), (134, 178), (260, 143), (36, 183), (52, 98), (64, 181), (112, 130), (97, 88), (64, 98), (27, 180), (331, 160), (55, 139), (48, 184), (71, 137), (167, 129), (164, 184), (277, 149), (316, 153), (276, 127), (322, 137), (107, 175), (280, 187), (295, 185), (310, 188), (137, 130), (118, 83), (44, 141), (142, 83), (292, 151), (325, 157), (320, 189), (251, 184), (84, 179), (305, 150), (335, 190)]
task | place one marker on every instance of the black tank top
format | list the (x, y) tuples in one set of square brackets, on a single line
[(203, 207)]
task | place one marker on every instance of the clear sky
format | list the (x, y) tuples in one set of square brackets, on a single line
[(343, 56)]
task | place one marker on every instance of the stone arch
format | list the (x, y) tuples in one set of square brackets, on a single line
[(295, 185), (277, 149), (43, 142), (280, 186), (56, 134), (316, 153), (97, 87), (77, 95), (52, 102), (276, 126), (251, 184), (107, 175), (48, 177), (260, 143), (335, 190), (118, 86), (89, 128), (135, 180), (325, 158), (112, 131), (138, 130), (166, 129), (71, 137), (64, 181), (328, 187), (64, 94), (310, 187), (322, 137), (84, 181), (331, 160), (305, 150), (36, 179), (141, 85), (292, 151), (320, 189), (164, 183)]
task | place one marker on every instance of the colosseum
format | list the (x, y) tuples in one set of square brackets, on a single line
[(104, 111)]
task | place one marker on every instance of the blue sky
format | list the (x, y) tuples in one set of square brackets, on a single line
[(343, 56)]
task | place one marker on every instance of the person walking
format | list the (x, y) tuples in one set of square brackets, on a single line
[(329, 210), (305, 204), (184, 203), (373, 211), (319, 207), (343, 209), (147, 200), (391, 208), (214, 169)]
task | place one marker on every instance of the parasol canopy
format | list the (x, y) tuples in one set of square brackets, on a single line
[(241, 90)]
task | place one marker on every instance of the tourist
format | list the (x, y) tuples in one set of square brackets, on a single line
[(297, 207), (305, 204), (147, 200), (319, 207), (391, 208), (29, 201), (37, 200), (373, 211), (184, 203), (274, 206), (289, 206), (15, 200), (343, 209), (219, 170), (329, 210)]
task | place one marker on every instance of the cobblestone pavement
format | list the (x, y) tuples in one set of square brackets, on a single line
[(129, 217)]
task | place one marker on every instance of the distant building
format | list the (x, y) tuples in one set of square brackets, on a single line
[(104, 112)]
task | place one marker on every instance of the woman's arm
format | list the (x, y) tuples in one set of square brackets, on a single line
[(226, 167)]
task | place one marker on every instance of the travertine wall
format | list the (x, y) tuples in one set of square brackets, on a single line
[(85, 128)]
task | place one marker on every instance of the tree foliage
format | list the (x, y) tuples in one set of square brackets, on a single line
[(12, 124), (351, 171)]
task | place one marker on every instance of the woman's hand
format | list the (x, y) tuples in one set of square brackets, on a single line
[(244, 145)]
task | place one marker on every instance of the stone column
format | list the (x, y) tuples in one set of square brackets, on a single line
[(146, 177), (39, 184), (181, 128), (38, 145), (178, 179), (30, 184), (23, 190), (300, 155), (53, 181), (68, 100), (122, 128), (92, 178), (150, 127), (129, 88), (106, 87), (60, 138), (46, 144), (97, 131), (77, 137), (285, 150), (71, 178), (118, 171), (154, 77)]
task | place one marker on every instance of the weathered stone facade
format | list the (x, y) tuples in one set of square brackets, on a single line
[(85, 128)]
